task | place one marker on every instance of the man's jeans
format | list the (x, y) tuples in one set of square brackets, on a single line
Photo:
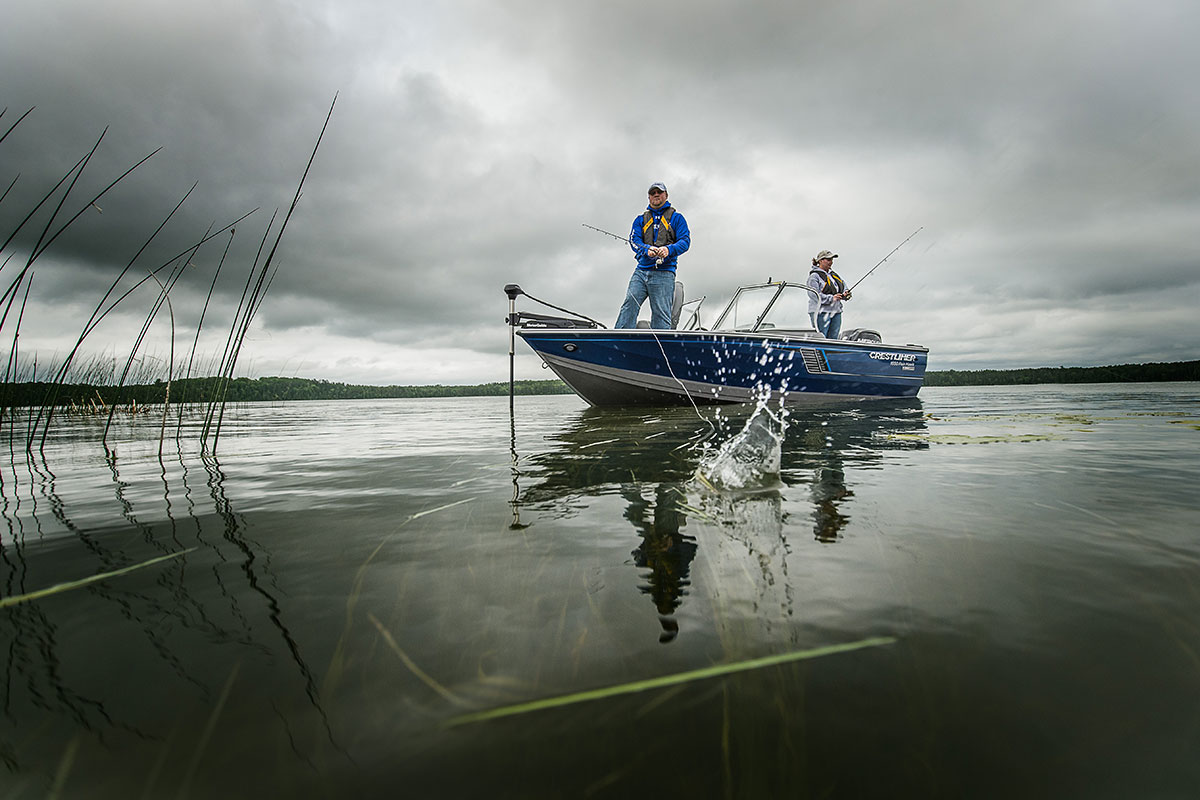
[(659, 286)]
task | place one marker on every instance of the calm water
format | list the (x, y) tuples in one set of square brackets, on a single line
[(360, 576)]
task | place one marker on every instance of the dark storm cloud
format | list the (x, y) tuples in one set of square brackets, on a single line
[(1046, 148)]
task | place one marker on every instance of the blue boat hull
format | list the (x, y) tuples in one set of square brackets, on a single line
[(671, 367)]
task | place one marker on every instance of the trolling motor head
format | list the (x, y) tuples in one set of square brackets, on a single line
[(516, 319)]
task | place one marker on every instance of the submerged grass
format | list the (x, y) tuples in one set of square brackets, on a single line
[(676, 679), (421, 674), (14, 600), (337, 662), (206, 735)]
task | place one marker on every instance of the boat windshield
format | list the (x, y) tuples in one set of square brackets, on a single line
[(789, 311), (745, 308)]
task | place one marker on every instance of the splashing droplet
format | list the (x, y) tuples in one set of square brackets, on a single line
[(750, 460)]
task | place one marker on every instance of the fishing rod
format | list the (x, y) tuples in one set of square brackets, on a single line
[(624, 239), (885, 258)]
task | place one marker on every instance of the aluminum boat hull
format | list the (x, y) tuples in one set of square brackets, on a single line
[(642, 367)]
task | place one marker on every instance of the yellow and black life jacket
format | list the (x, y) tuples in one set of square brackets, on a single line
[(833, 283), (658, 235)]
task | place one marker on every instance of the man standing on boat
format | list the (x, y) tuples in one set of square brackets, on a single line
[(659, 236), (825, 306)]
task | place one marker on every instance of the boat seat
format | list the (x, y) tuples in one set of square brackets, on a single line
[(676, 308)]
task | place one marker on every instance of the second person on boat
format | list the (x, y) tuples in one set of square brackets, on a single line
[(825, 305)]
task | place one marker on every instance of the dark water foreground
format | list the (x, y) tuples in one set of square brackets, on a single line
[(349, 582)]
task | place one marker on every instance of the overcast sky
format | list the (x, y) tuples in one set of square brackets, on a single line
[(1049, 150)]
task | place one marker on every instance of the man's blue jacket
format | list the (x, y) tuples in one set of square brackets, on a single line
[(683, 239)]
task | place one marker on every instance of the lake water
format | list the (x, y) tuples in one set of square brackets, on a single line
[(1015, 569)]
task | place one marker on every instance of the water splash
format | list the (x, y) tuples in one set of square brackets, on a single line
[(750, 460)]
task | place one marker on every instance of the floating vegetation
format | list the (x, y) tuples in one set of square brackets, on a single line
[(959, 438), (1074, 419), (1187, 423)]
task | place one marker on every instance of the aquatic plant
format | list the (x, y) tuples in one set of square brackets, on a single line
[(53, 205)]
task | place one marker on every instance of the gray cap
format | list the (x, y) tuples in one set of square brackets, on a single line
[(662, 187), (825, 254)]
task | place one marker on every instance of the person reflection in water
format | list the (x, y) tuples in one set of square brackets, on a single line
[(829, 490), (664, 551)]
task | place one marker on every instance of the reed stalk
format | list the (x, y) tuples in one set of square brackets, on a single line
[(21, 119), (54, 205), (200, 324), (263, 282)]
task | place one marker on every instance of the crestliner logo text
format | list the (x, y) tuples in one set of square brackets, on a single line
[(893, 356)]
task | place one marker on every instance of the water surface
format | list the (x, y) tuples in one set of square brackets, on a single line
[(350, 579)]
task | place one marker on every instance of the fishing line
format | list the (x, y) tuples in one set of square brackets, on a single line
[(686, 393)]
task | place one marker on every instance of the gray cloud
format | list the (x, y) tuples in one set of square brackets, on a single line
[(1046, 148)]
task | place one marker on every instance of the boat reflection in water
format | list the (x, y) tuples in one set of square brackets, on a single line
[(736, 538), (664, 552)]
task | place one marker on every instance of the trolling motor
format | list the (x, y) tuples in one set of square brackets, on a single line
[(528, 319), (513, 291)]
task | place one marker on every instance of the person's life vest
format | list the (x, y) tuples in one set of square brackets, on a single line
[(658, 235), (833, 284)]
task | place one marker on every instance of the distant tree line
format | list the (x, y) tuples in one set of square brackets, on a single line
[(249, 390), (1123, 373), (246, 390)]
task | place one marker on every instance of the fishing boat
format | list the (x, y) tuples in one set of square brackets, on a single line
[(762, 345)]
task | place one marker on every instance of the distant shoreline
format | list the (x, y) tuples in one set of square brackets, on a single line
[(244, 390), (1122, 373)]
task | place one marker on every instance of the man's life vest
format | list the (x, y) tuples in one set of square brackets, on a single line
[(833, 284), (657, 235)]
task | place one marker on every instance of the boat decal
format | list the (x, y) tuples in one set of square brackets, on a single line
[(897, 359)]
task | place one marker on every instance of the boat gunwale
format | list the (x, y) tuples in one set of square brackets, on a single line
[(777, 335)]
